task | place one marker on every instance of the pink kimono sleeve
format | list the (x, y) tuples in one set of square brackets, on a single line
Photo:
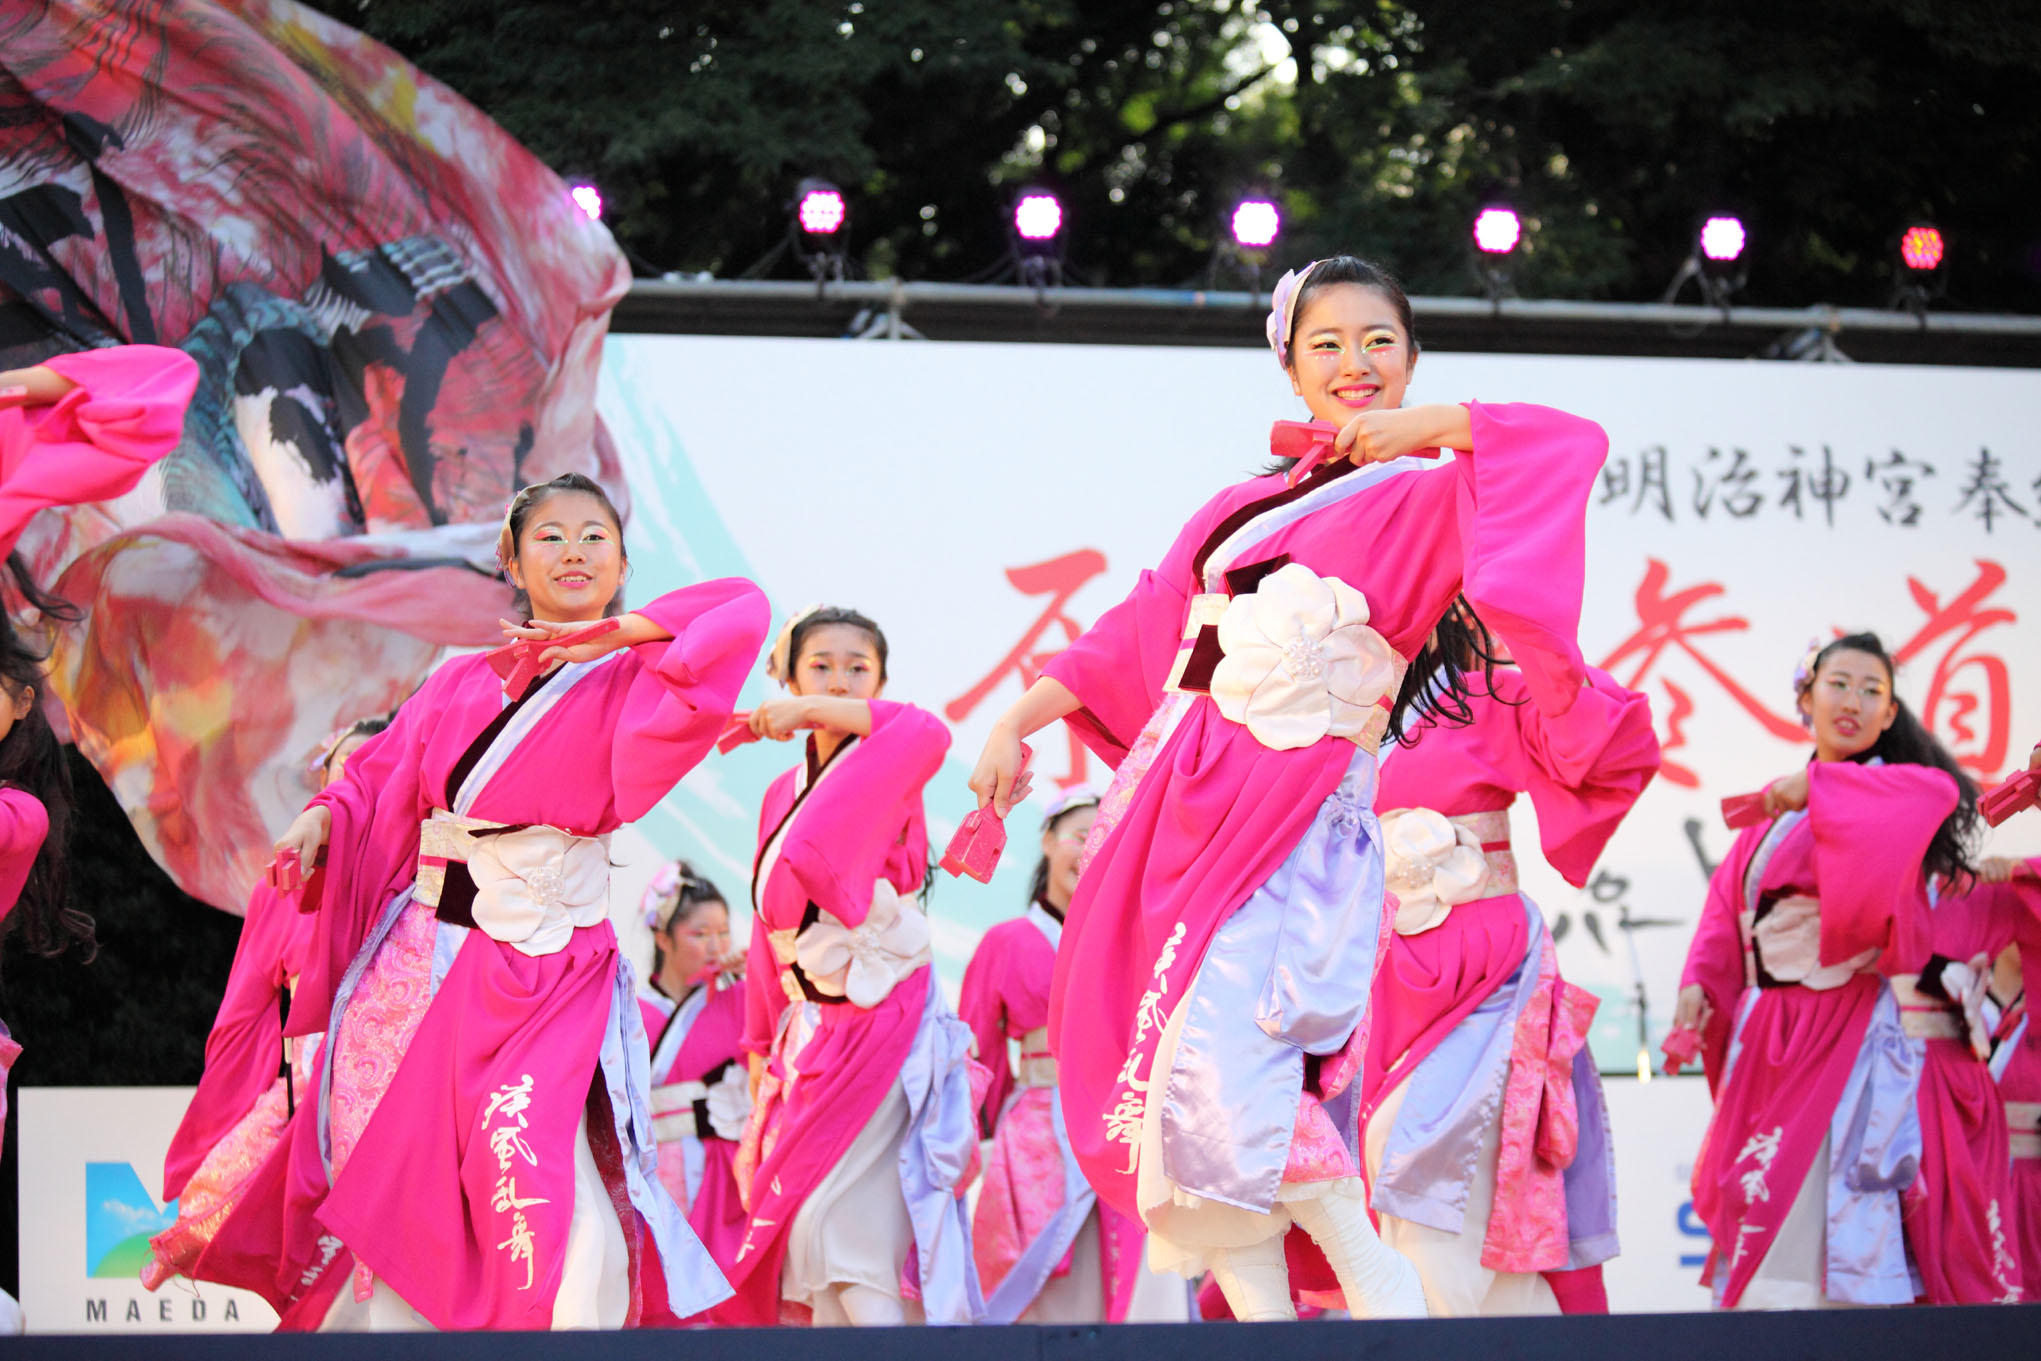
[(686, 687), (1585, 770), (1523, 531), (1871, 826), (24, 822), (95, 442), (1118, 667), (848, 830), (981, 1007), (371, 849), (1715, 959), (764, 999)]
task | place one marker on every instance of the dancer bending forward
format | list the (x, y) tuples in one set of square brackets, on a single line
[(1210, 1002)]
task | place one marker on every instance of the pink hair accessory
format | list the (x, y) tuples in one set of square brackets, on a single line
[(1283, 310), (1803, 675), (665, 885)]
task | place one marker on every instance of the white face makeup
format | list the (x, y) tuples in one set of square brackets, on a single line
[(570, 558), (1850, 704), (1351, 353)]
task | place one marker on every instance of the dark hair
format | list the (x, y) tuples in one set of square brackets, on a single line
[(521, 507), (822, 618), (1038, 891), (1344, 269), (695, 892), (32, 760), (361, 727), (1907, 742), (1435, 688)]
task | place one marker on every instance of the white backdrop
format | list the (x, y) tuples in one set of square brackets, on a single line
[(1746, 508)]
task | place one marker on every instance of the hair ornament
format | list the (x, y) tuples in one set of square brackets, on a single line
[(662, 895), (1283, 309), (779, 665), (1077, 796)]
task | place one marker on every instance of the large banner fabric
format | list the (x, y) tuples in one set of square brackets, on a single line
[(397, 313), (984, 502)]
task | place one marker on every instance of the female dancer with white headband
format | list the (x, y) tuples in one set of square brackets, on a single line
[(481, 1113), (863, 1137), (1211, 992), (693, 1007)]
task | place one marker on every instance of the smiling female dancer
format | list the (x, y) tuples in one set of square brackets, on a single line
[(1811, 1050), (1211, 994), (481, 1153), (864, 1133)]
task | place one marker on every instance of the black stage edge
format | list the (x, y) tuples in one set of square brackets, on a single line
[(2001, 1331)]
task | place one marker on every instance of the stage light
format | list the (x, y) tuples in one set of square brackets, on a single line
[(588, 199), (1722, 239), (821, 209), (1037, 216), (1921, 248), (1497, 231), (1256, 223)]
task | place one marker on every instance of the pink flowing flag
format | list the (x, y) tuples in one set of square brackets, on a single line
[(397, 313)]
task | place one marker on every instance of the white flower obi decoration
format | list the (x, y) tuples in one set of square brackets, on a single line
[(1966, 985), (1300, 660), (863, 964), (536, 885), (729, 1103), (1432, 866)]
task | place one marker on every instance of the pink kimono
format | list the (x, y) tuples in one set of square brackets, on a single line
[(24, 822), (2018, 1065), (860, 1045), (92, 444), (1034, 1202), (1807, 1051), (242, 1106), (701, 1101), (1963, 1217), (481, 1017), (1249, 837), (1473, 959)]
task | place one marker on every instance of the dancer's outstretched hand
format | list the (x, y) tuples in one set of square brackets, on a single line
[(1380, 436), (1786, 795), (1692, 1011), (613, 634), (39, 385)]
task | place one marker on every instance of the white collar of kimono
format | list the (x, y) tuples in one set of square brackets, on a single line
[(1046, 924), (676, 1031), (520, 727), (1317, 499)]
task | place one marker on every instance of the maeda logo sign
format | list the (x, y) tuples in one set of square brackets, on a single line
[(91, 1165)]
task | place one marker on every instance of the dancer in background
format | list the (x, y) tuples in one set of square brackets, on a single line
[(1485, 1129), (1970, 1212), (1211, 993), (693, 1006), (1805, 1043), (79, 428), (482, 1090), (864, 1132), (254, 1077), (1047, 1251)]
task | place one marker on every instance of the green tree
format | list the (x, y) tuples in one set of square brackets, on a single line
[(1383, 127)]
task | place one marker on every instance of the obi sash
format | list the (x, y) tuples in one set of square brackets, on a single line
[(1433, 863), (1290, 656), (823, 960), (2023, 1123)]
